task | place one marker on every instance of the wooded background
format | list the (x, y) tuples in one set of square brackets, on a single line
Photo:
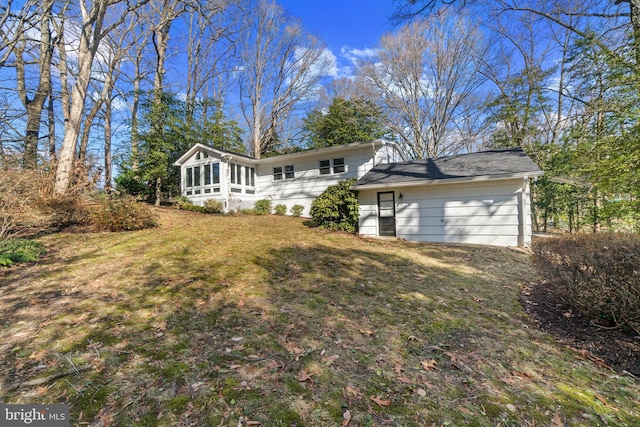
[(90, 93)]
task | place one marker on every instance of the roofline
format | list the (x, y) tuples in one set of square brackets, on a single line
[(444, 181), (374, 143), (337, 148), (200, 146)]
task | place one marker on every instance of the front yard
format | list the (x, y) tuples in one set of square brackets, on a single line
[(248, 320)]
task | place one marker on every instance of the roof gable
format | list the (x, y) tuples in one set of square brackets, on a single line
[(212, 151), (496, 164)]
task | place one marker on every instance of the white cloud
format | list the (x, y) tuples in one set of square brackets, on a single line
[(355, 56)]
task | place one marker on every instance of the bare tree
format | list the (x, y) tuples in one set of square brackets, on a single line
[(281, 67), (425, 78), (92, 32)]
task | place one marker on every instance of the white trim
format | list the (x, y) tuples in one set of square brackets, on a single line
[(444, 181)]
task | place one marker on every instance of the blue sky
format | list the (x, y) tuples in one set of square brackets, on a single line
[(350, 28)]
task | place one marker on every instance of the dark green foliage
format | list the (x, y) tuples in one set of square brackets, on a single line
[(262, 207), (19, 250), (296, 210), (168, 129), (280, 209), (347, 121), (598, 273), (337, 207), (122, 214)]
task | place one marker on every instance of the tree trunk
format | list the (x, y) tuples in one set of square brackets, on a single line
[(52, 131), (89, 40), (35, 105), (107, 144), (86, 130)]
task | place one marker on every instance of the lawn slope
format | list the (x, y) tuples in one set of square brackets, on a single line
[(244, 320)]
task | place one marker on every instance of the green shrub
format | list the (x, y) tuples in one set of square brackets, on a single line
[(262, 207), (296, 210), (598, 273), (194, 208), (19, 250), (122, 214), (280, 209), (337, 207), (212, 206), (181, 202)]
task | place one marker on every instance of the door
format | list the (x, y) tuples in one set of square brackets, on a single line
[(386, 213)]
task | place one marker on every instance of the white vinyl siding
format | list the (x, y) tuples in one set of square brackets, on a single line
[(484, 213), (308, 183)]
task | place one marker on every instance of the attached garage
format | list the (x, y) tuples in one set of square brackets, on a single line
[(480, 198)]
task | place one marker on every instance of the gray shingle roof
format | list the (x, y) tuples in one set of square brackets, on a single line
[(463, 167)]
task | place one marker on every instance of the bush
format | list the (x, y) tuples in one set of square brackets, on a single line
[(280, 209), (66, 211), (19, 250), (20, 194), (337, 207), (194, 208), (262, 207), (181, 202), (598, 273), (296, 210), (122, 214), (212, 206)]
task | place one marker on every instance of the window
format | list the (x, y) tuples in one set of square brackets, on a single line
[(215, 173), (189, 177), (236, 173), (286, 172), (289, 172), (250, 177), (325, 167), (196, 176), (201, 155), (277, 173), (332, 166), (207, 174)]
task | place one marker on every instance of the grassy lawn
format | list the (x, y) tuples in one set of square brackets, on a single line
[(240, 321)]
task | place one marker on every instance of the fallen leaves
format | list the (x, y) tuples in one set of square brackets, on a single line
[(429, 365), (304, 376), (380, 401), (346, 418)]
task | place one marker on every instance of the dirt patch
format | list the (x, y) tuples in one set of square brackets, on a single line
[(615, 348)]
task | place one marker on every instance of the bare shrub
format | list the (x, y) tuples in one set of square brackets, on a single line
[(598, 273), (122, 214), (20, 191)]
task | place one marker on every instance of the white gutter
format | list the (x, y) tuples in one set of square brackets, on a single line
[(445, 181)]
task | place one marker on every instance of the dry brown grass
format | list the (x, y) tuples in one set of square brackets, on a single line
[(212, 320)]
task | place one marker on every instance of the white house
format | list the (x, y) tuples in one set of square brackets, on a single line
[(471, 198), (290, 179)]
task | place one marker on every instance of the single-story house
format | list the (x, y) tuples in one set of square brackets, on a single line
[(470, 198)]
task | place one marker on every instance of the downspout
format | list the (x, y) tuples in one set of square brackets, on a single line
[(522, 235), (224, 185)]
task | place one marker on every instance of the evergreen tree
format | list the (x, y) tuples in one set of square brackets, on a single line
[(168, 129), (347, 121)]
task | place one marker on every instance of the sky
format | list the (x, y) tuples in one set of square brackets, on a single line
[(351, 28)]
